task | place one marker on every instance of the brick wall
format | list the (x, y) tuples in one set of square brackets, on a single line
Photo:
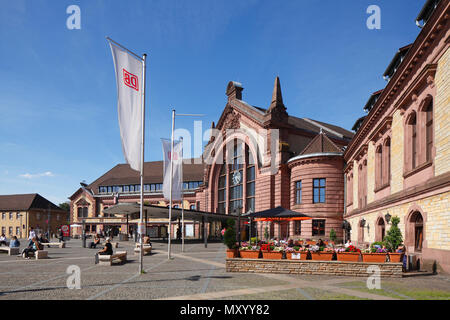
[(441, 114), (336, 268)]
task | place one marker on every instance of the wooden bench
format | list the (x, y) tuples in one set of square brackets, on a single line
[(147, 250), (11, 251), (59, 244), (106, 260)]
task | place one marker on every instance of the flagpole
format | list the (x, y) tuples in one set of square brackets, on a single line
[(171, 182), (182, 197), (141, 262)]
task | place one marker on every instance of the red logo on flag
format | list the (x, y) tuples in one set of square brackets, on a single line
[(175, 156), (130, 80)]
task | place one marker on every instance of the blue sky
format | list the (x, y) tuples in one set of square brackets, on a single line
[(58, 109)]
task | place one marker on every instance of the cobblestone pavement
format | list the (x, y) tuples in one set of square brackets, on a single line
[(197, 274)]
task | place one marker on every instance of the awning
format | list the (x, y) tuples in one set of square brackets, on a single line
[(278, 214), (133, 209)]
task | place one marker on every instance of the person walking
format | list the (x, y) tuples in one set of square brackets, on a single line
[(31, 235)]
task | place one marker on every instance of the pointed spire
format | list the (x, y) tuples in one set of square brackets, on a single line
[(277, 99)]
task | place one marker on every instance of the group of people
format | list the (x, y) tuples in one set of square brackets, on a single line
[(14, 243)]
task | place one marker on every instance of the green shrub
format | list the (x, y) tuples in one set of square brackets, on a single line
[(393, 236), (333, 235), (266, 233), (254, 240), (229, 237)]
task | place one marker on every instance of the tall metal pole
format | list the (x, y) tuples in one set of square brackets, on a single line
[(182, 197), (48, 222), (171, 182), (141, 236)]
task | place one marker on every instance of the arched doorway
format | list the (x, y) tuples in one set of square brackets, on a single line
[(416, 222), (380, 230), (362, 224)]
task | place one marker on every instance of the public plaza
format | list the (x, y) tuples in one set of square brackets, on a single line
[(197, 274)]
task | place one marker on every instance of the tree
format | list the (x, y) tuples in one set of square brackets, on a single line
[(332, 235), (393, 237), (65, 206), (229, 237)]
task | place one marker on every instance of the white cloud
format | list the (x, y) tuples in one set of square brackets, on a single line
[(37, 175)]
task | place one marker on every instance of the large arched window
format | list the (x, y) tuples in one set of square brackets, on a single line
[(413, 141), (429, 129), (237, 179), (387, 161), (379, 167)]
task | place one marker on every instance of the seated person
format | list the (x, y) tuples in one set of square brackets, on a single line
[(107, 250), (320, 243), (348, 243), (14, 242), (146, 240), (35, 246), (95, 242), (3, 240), (42, 239), (290, 243)]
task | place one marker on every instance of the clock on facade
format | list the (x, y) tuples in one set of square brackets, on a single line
[(237, 177)]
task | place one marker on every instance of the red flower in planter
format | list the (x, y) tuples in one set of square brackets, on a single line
[(267, 247), (352, 249)]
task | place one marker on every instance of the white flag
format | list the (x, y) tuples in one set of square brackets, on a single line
[(177, 181), (129, 100)]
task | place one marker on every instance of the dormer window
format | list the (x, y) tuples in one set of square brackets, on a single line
[(426, 12)]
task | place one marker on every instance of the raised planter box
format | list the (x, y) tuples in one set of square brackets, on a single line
[(298, 255), (334, 268), (396, 257), (348, 256), (374, 257), (272, 254), (249, 254), (232, 253), (321, 256)]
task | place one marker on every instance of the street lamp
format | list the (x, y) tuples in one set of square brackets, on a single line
[(21, 226), (239, 223), (388, 217)]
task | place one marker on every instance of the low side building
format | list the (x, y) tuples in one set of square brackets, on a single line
[(19, 212)]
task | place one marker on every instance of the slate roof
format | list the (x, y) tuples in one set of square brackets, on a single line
[(25, 202)]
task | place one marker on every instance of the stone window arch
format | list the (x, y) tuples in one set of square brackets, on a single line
[(387, 161), (411, 142), (379, 166), (426, 125)]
